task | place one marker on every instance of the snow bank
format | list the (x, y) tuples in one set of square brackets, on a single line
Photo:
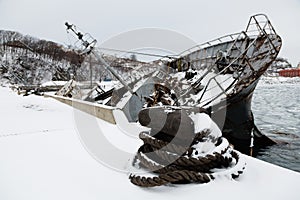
[(42, 158)]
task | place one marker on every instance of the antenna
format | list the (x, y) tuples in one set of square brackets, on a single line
[(88, 43)]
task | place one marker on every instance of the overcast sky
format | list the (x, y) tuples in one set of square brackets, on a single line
[(197, 19)]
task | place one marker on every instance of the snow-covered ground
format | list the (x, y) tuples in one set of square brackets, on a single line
[(279, 80), (41, 157)]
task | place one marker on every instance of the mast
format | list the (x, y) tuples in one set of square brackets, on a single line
[(88, 42)]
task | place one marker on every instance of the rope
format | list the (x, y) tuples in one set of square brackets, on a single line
[(174, 161), (173, 164)]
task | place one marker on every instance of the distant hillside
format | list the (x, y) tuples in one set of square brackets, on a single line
[(48, 49), (28, 60)]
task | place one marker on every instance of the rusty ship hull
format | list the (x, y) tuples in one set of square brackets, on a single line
[(225, 73)]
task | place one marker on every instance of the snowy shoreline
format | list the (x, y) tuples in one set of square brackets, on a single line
[(42, 158), (266, 80)]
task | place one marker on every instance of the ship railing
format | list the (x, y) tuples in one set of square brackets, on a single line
[(257, 25), (239, 36), (264, 30), (224, 91), (223, 39), (236, 38), (260, 24)]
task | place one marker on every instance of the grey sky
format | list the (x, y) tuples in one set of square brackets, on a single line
[(197, 19)]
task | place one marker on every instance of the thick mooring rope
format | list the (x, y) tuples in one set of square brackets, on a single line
[(174, 159), (172, 163)]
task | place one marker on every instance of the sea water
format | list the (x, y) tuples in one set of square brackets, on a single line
[(276, 108)]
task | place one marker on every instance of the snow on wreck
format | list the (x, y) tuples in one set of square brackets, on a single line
[(217, 77)]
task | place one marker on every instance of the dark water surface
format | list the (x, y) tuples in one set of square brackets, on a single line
[(276, 108)]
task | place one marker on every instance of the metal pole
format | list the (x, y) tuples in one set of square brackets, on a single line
[(91, 72), (89, 47), (113, 72)]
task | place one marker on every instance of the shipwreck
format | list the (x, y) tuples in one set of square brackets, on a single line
[(217, 78)]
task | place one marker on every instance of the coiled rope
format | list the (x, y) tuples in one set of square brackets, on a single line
[(181, 156), (172, 163)]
